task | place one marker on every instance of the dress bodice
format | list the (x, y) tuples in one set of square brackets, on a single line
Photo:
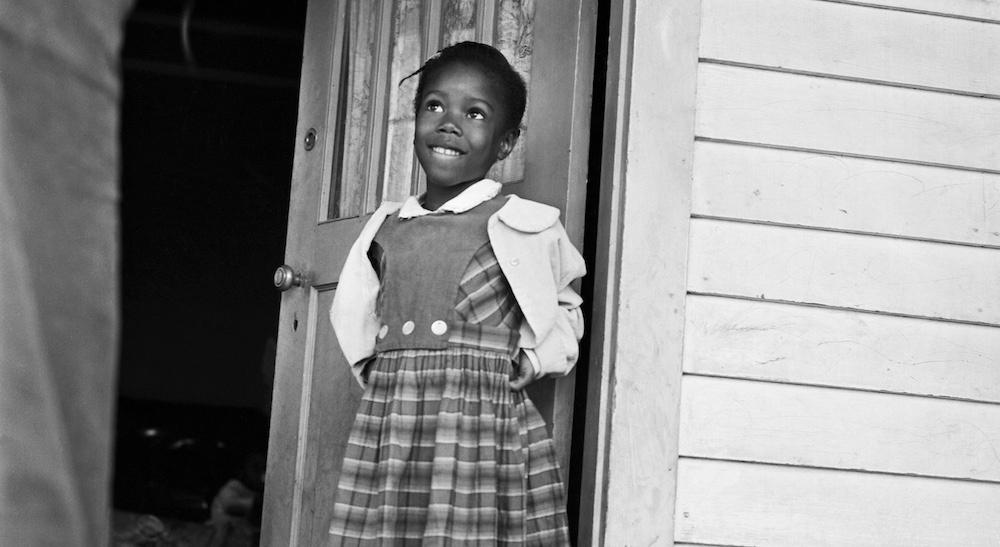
[(441, 285)]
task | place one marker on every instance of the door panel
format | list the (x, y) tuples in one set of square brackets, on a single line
[(307, 207), (331, 401), (357, 93), (361, 117), (407, 54)]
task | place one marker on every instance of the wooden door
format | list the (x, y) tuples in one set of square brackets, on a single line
[(353, 150)]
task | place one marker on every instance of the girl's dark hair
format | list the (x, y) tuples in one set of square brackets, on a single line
[(492, 63)]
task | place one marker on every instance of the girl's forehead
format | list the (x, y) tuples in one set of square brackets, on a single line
[(460, 75), (465, 83)]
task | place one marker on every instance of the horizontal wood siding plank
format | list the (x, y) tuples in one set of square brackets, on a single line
[(976, 9), (852, 41), (791, 110), (744, 420), (733, 503), (807, 345), (845, 270), (831, 191)]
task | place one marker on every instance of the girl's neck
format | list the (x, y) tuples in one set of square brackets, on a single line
[(436, 195)]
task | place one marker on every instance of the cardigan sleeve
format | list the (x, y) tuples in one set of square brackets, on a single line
[(352, 314), (558, 350)]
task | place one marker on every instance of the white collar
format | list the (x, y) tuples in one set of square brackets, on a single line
[(472, 196)]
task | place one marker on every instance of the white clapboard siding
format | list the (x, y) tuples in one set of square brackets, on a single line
[(975, 9), (745, 420), (845, 270), (852, 41), (800, 344), (792, 110), (744, 504), (809, 189)]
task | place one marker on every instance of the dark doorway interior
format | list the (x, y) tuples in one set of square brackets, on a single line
[(209, 96)]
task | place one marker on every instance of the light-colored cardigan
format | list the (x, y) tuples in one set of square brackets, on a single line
[(537, 259)]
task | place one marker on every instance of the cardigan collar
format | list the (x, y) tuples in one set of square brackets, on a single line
[(527, 216)]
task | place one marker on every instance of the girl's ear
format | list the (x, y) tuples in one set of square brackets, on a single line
[(507, 143)]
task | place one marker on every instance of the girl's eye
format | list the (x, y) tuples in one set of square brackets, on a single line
[(477, 115), (434, 107)]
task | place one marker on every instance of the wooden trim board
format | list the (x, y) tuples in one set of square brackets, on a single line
[(731, 503), (767, 422), (850, 41), (761, 340), (645, 213)]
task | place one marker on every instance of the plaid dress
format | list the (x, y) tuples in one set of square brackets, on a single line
[(442, 451)]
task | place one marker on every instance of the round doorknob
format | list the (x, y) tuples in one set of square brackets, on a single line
[(285, 278)]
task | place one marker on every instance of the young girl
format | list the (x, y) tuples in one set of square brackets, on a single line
[(448, 305)]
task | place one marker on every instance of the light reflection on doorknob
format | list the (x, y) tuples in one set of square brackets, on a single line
[(285, 278)]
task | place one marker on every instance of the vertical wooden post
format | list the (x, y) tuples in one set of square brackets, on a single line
[(641, 271)]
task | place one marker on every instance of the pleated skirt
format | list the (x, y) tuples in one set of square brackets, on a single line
[(442, 452)]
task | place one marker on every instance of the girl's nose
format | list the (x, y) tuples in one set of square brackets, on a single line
[(448, 125)]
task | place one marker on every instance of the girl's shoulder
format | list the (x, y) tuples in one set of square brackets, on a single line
[(525, 215), (384, 210), (375, 221), (388, 207)]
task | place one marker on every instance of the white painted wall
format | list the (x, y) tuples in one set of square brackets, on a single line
[(837, 369)]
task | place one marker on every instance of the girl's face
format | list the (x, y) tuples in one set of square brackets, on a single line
[(459, 133)]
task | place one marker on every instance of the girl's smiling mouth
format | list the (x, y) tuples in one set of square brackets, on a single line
[(445, 151)]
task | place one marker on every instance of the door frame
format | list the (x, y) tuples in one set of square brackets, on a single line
[(557, 142), (558, 177), (630, 449)]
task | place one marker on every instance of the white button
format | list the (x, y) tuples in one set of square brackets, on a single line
[(515, 262), (439, 327), (382, 332), (408, 328)]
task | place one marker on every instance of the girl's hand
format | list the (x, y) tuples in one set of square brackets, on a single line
[(366, 369), (525, 375)]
